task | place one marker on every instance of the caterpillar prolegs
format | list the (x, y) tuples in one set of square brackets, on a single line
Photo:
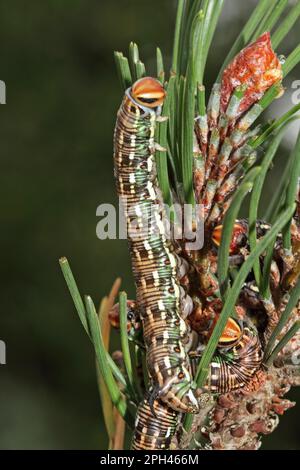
[(154, 266)]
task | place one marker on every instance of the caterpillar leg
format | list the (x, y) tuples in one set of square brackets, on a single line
[(180, 397), (189, 403)]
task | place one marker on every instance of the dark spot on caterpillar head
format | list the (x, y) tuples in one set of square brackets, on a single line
[(180, 375), (147, 100), (177, 349)]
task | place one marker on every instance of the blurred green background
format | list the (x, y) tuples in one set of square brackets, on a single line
[(56, 58)]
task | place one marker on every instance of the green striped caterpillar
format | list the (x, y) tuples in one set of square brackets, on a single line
[(154, 266)]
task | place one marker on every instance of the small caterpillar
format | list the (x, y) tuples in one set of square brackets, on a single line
[(154, 266), (236, 361), (234, 368), (240, 237)]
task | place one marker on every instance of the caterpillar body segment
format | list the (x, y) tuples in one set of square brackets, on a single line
[(154, 431)]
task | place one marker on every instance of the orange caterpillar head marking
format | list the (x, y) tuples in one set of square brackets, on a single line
[(238, 234), (231, 334), (148, 92)]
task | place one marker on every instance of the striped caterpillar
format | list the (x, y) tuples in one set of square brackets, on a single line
[(237, 359), (154, 266)]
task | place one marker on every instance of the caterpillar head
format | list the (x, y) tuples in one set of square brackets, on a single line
[(231, 334), (148, 92), (238, 239)]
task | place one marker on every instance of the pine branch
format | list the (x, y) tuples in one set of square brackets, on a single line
[(228, 308)]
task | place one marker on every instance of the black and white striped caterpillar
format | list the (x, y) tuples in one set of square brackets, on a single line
[(154, 265)]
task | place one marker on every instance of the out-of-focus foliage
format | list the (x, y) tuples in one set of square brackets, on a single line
[(56, 168)]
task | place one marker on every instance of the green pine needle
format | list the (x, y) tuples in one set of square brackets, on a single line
[(140, 69), (123, 70), (161, 155), (136, 360), (134, 60), (187, 111), (262, 8), (277, 200), (291, 190), (211, 10), (282, 343), (75, 294), (286, 25), (80, 307), (125, 347), (229, 220), (115, 394), (201, 108), (255, 198), (282, 121), (292, 60), (177, 36), (265, 279), (188, 140), (293, 300), (191, 10), (160, 71), (271, 18), (270, 95)]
